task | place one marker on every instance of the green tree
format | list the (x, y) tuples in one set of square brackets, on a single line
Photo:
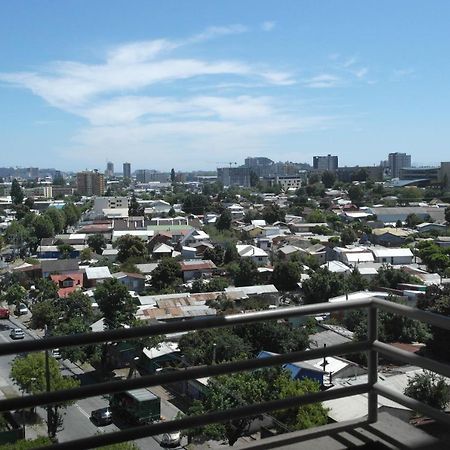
[(131, 247), (247, 273), (429, 388), (16, 193), (273, 213), (202, 346), (72, 214), (224, 220), (86, 254), (286, 275), (348, 236), (17, 235), (447, 214), (15, 294), (328, 179), (116, 304), (196, 204), (302, 417), (412, 220), (30, 374), (216, 255), (58, 219), (43, 227), (166, 274), (135, 209), (388, 277), (97, 242), (272, 336), (45, 289), (65, 250), (323, 285), (231, 254), (46, 313), (356, 194)]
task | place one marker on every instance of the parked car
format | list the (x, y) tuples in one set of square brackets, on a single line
[(16, 333), (102, 416), (171, 439), (4, 313), (21, 309)]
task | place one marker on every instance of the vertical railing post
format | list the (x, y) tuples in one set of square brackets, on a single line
[(372, 363)]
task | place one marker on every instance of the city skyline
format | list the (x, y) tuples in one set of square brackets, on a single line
[(161, 87)]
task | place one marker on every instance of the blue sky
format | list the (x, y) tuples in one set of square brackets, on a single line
[(195, 84)]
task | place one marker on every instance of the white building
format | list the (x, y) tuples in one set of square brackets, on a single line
[(394, 256), (105, 206)]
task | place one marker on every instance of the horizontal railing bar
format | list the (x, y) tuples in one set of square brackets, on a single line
[(437, 320), (189, 373), (411, 403), (76, 340), (206, 419), (411, 358)]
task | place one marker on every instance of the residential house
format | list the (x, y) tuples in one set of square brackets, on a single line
[(287, 251), (133, 281), (258, 256), (188, 252), (394, 256), (298, 370), (163, 251), (353, 255), (96, 275), (59, 266), (67, 283), (144, 235), (431, 227), (194, 236), (390, 237), (196, 269), (316, 251)]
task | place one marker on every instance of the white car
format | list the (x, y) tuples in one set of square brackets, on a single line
[(171, 439), (16, 333)]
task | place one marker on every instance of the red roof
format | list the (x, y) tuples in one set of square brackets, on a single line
[(200, 265), (58, 279)]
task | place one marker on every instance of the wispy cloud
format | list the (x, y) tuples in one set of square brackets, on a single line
[(324, 80), (268, 25), (402, 73), (146, 97)]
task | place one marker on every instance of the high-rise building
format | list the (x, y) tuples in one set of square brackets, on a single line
[(234, 176), (109, 169), (398, 161), (90, 183), (322, 163), (127, 170)]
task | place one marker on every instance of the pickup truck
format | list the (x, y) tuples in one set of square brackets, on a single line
[(4, 313)]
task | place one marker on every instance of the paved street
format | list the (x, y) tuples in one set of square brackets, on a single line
[(76, 419)]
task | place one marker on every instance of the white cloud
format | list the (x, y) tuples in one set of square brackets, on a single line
[(147, 102), (268, 25), (323, 80), (360, 73), (401, 73)]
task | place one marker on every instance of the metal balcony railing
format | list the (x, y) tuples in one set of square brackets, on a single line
[(371, 345)]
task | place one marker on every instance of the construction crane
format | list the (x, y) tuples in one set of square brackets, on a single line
[(227, 162)]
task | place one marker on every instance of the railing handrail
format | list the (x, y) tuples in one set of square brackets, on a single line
[(372, 345)]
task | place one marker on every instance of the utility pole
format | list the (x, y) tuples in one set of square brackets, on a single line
[(47, 382)]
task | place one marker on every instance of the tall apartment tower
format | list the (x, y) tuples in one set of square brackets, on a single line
[(109, 169), (90, 183), (397, 161), (323, 163), (127, 170)]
